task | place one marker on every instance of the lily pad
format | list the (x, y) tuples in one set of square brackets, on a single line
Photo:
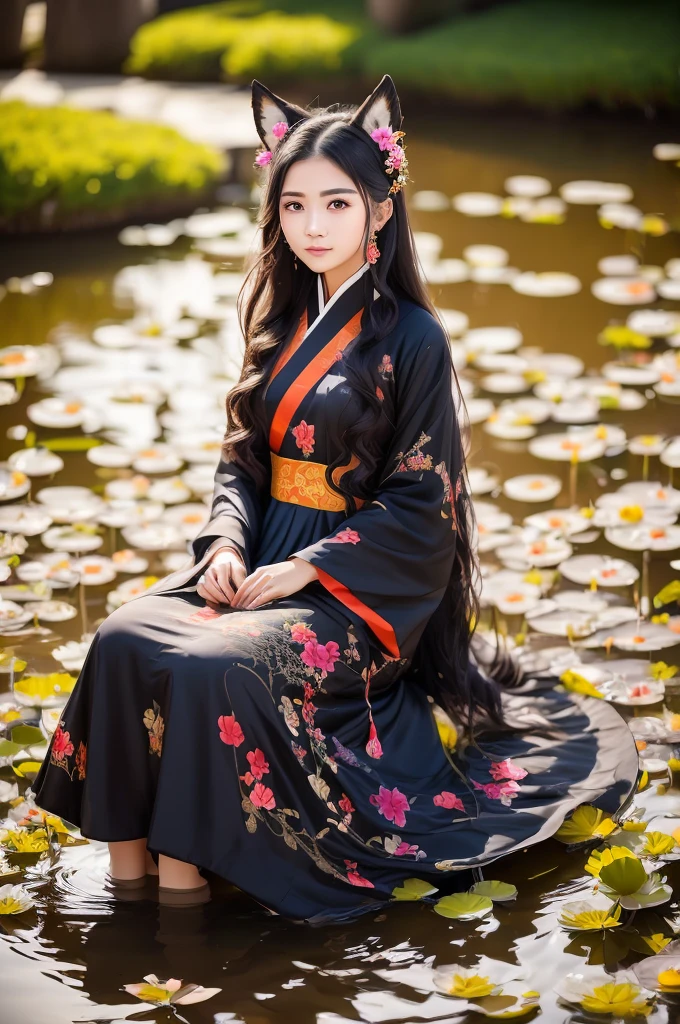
[(413, 889), (464, 906), (499, 892)]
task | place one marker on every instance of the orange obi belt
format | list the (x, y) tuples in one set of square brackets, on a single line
[(304, 483)]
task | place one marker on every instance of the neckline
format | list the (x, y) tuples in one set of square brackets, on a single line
[(323, 309)]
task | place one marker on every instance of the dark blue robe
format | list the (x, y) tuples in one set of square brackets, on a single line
[(289, 748)]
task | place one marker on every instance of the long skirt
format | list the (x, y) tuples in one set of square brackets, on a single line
[(281, 750)]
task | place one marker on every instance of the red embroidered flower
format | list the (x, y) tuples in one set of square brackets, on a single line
[(448, 800), (346, 804), (262, 796), (391, 804), (379, 393), (62, 746), (346, 536), (355, 878), (230, 731), (323, 656), (259, 766), (301, 633), (304, 436), (374, 746), (205, 615)]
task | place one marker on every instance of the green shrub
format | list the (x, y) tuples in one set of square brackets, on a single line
[(550, 54), (242, 40), (281, 45), (92, 160)]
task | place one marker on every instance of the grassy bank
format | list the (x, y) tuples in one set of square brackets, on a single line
[(61, 167), (548, 54)]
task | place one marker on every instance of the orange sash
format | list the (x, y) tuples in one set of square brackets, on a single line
[(312, 373)]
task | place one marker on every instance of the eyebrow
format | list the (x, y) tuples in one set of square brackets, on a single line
[(326, 192)]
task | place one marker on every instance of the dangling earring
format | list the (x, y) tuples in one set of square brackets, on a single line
[(290, 250), (372, 250)]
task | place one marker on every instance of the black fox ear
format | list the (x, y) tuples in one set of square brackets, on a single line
[(269, 109), (381, 109)]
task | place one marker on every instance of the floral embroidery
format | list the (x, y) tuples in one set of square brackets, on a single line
[(352, 651), (259, 766), (449, 497), (379, 392), (354, 877), (346, 536), (506, 770), (385, 369), (63, 748), (391, 804), (230, 731), (155, 725), (304, 437), (448, 800), (262, 796), (503, 791), (321, 656), (414, 459)]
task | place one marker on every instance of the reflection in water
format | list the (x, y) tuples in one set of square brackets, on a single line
[(69, 956)]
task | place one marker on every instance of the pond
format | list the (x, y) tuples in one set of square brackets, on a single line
[(548, 296)]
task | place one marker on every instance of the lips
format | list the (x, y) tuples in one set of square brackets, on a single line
[(317, 250)]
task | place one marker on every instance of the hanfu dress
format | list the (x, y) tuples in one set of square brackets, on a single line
[(288, 748)]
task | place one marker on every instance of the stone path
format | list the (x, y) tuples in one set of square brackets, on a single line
[(216, 114)]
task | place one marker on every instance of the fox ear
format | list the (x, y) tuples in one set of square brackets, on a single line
[(381, 109), (268, 109)]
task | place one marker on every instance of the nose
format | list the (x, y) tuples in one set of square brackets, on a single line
[(314, 228)]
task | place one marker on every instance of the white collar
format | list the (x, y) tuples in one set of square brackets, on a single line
[(323, 308)]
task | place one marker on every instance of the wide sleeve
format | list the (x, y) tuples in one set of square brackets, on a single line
[(390, 562), (236, 512)]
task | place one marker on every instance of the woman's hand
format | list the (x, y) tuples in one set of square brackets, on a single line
[(270, 582), (222, 577)]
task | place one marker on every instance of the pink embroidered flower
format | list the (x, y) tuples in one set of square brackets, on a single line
[(374, 747), (403, 849), (317, 734), (391, 804), (506, 770), (205, 615), (496, 791), (230, 731), (262, 159), (62, 746), (262, 796), (259, 766), (304, 436), (299, 751), (346, 536), (448, 800), (346, 804), (308, 690), (308, 713), (355, 878), (338, 355), (323, 656), (279, 129), (301, 633), (383, 136)]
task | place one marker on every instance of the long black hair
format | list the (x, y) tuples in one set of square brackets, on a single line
[(272, 299)]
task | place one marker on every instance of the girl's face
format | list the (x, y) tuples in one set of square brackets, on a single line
[(323, 216)]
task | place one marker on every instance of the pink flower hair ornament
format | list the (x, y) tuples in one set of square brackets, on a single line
[(396, 162)]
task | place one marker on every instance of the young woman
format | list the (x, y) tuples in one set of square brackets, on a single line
[(270, 713)]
